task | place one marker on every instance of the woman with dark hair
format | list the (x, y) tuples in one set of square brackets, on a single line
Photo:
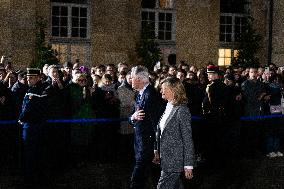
[(174, 146)]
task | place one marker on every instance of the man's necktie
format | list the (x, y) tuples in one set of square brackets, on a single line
[(138, 102), (138, 99)]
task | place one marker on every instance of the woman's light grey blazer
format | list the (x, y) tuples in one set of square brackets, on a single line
[(175, 144)]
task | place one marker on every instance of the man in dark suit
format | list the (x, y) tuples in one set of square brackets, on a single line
[(149, 107)]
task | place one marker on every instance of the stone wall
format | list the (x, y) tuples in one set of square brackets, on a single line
[(278, 33), (18, 18), (197, 31), (260, 14), (5, 28), (115, 30)]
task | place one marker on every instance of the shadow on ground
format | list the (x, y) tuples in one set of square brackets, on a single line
[(246, 173)]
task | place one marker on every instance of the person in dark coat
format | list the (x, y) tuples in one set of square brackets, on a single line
[(19, 90), (80, 107), (5, 103), (149, 107), (58, 133), (33, 120), (195, 97), (109, 108), (215, 106), (7, 131), (273, 126), (254, 97), (234, 113)]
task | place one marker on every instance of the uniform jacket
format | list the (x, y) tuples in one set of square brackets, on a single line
[(18, 92), (34, 108), (216, 99), (175, 144), (144, 130)]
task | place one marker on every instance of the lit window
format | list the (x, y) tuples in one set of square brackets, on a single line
[(226, 56), (159, 16), (166, 4)]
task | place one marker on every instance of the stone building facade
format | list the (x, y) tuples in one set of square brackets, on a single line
[(101, 32)]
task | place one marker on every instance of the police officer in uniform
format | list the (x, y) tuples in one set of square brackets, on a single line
[(215, 109), (32, 119)]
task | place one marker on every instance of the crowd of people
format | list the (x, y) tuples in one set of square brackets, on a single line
[(74, 91)]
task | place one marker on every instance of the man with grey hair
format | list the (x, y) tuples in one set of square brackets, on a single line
[(149, 107)]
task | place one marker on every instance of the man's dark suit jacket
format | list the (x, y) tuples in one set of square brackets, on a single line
[(144, 130)]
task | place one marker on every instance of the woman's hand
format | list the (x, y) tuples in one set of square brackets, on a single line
[(188, 173)]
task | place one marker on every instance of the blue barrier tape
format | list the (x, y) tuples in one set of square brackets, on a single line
[(248, 118), (96, 120), (195, 117), (84, 120), (107, 120), (7, 122)]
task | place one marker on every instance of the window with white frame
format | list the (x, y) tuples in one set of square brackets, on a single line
[(69, 30), (226, 56), (232, 23), (165, 26), (159, 17), (69, 19), (231, 27), (232, 19)]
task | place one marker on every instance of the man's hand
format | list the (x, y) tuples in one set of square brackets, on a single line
[(138, 115), (156, 159), (239, 97), (188, 173)]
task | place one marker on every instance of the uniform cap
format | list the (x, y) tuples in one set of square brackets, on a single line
[(212, 69), (33, 72)]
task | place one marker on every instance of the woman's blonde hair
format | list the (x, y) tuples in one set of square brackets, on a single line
[(178, 90)]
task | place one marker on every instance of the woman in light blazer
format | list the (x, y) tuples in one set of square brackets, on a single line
[(174, 146)]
